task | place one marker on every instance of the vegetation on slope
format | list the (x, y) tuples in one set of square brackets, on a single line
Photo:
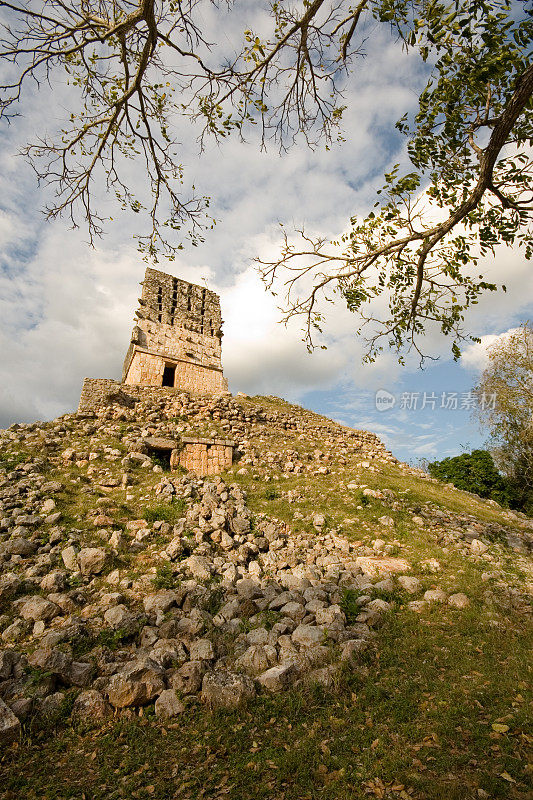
[(437, 708)]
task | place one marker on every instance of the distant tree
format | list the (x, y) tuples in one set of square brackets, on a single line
[(505, 408), (421, 463), (473, 472), (137, 63)]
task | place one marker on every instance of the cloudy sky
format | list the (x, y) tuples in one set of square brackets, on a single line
[(66, 310)]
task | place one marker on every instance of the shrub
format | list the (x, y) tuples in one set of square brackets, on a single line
[(350, 606), (164, 577), (213, 601), (473, 472)]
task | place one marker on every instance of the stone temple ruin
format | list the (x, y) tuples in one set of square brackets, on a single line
[(175, 347), (177, 339)]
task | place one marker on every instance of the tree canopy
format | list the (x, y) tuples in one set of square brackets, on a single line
[(138, 63), (508, 378), (473, 472)]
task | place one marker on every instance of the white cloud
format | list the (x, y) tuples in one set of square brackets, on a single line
[(260, 355), (66, 311), (476, 355)]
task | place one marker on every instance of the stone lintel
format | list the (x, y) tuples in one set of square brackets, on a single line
[(203, 440), (173, 359), (160, 443)]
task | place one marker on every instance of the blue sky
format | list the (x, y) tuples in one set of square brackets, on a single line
[(419, 425), (66, 310)]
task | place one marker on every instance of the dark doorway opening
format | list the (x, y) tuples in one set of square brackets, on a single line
[(161, 457), (169, 375)]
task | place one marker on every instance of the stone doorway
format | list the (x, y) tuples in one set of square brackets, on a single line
[(164, 452), (169, 375)]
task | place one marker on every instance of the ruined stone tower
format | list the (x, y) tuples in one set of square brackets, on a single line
[(177, 339)]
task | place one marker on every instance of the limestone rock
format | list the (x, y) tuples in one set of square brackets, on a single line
[(257, 636), (199, 567), (409, 583), (70, 558), (248, 588), (9, 725), (435, 595), (92, 560), (257, 658), (20, 547), (331, 616), (90, 706), (187, 679), (60, 665), (8, 659), (294, 610), (120, 618), (161, 601), (278, 678), (168, 652), (417, 605), (51, 705), (379, 605), (168, 704), (308, 635), (138, 683), (48, 506), (9, 583), (55, 581), (51, 660), (324, 676), (224, 689), (351, 648), (458, 600), (37, 608), (375, 566), (202, 650)]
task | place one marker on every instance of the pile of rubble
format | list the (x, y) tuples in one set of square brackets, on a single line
[(218, 604), (251, 608), (231, 416)]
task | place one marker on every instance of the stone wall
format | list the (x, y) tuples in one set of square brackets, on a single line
[(146, 369), (206, 456), (238, 419), (179, 326), (97, 394)]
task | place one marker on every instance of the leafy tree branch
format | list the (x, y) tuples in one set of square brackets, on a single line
[(421, 266), (139, 64)]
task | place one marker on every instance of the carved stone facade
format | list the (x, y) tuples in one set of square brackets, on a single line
[(177, 339), (206, 456)]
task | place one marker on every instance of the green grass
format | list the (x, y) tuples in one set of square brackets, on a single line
[(165, 512), (412, 718), (10, 461), (416, 712), (213, 600), (82, 643), (349, 605), (164, 577)]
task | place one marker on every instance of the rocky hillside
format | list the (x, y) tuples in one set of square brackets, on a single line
[(131, 595)]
